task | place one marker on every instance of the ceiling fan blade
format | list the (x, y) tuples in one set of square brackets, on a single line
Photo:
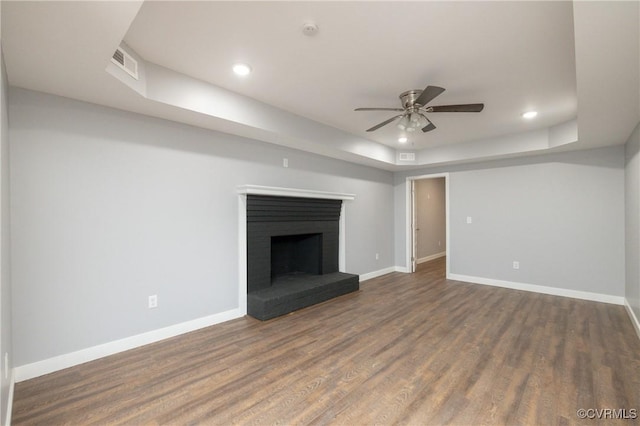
[(429, 127), (384, 123), (378, 109), (457, 108), (428, 94)]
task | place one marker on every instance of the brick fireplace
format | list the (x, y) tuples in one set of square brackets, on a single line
[(292, 253)]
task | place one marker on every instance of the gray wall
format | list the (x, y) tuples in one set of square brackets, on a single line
[(6, 347), (560, 215), (110, 207), (430, 217), (632, 221)]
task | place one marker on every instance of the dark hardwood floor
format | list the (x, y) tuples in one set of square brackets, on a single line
[(406, 349)]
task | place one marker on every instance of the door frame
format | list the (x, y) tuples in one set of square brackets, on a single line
[(410, 235)]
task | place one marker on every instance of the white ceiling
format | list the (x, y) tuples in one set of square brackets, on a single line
[(566, 60)]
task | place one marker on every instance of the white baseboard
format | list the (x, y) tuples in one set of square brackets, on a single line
[(575, 294), (12, 384), (381, 272), (39, 368), (375, 274), (432, 257), (633, 317)]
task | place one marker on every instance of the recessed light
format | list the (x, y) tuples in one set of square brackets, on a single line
[(530, 114), (242, 69), (402, 139)]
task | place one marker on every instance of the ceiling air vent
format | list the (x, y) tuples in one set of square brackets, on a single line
[(126, 62), (407, 156)]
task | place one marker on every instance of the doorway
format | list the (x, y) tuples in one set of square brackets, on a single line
[(427, 220)]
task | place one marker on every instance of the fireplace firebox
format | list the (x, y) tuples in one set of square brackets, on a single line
[(295, 255), (292, 254)]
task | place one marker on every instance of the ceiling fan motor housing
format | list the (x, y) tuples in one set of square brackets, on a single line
[(409, 97)]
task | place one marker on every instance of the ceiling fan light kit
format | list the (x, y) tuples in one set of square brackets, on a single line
[(412, 121), (414, 108), (404, 123)]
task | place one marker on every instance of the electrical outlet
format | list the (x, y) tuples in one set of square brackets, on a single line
[(153, 301), (285, 162), (377, 256), (516, 264), (469, 219)]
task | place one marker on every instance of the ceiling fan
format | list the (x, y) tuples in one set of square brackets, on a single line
[(414, 108)]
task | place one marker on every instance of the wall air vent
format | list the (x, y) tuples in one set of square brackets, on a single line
[(123, 60), (407, 156)]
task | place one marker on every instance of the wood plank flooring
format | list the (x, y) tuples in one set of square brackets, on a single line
[(410, 349)]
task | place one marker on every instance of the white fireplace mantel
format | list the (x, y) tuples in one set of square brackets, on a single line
[(244, 190), (293, 192)]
